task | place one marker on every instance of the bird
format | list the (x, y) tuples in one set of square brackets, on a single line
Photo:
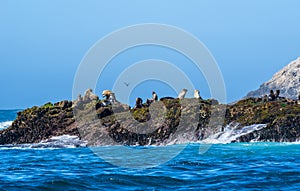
[(181, 95), (126, 84)]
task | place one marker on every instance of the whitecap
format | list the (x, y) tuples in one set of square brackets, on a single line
[(63, 141), (5, 124), (232, 132)]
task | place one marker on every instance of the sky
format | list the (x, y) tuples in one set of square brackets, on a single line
[(42, 43)]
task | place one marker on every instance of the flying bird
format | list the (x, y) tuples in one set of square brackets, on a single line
[(126, 84)]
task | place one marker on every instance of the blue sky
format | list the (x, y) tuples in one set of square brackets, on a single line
[(43, 42)]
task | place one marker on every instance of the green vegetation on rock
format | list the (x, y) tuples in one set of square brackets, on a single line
[(102, 125)]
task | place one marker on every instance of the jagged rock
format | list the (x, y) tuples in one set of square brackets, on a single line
[(78, 103), (99, 125), (64, 104), (287, 80), (40, 123), (89, 96)]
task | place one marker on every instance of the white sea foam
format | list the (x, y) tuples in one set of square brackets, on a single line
[(64, 141), (6, 124), (232, 132)]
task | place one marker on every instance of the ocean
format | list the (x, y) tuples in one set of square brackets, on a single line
[(234, 166)]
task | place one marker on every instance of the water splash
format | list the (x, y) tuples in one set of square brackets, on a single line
[(64, 141), (232, 132), (6, 124)]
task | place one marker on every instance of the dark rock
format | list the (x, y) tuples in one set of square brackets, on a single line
[(103, 125)]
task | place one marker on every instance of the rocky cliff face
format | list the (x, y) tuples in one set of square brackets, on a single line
[(287, 80), (40, 123), (111, 125)]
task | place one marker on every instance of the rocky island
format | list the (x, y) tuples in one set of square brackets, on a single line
[(168, 121), (110, 125)]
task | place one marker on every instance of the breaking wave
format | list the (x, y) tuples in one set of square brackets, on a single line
[(6, 124), (232, 132), (64, 141)]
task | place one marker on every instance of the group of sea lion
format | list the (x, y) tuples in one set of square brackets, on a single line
[(181, 95), (110, 98)]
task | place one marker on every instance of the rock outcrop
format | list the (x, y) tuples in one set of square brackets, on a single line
[(40, 123), (287, 80), (164, 122)]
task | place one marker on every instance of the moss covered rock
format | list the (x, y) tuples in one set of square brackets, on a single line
[(164, 122)]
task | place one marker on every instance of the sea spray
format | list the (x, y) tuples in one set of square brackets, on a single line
[(4, 125), (232, 132), (64, 141)]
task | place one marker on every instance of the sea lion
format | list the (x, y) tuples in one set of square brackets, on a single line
[(153, 99), (272, 96), (277, 94), (265, 98), (181, 95), (106, 94), (138, 103), (109, 98), (154, 96), (197, 94)]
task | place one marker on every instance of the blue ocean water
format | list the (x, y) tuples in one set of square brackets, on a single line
[(6, 118), (8, 115), (237, 166)]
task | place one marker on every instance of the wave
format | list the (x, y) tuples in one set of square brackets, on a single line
[(232, 132), (6, 124), (64, 141)]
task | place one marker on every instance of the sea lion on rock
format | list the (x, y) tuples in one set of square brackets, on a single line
[(153, 99), (106, 94), (109, 97), (148, 102), (277, 94), (272, 96), (265, 98), (138, 103), (182, 93), (154, 96), (197, 94)]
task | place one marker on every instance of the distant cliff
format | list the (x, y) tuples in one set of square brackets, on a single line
[(287, 80)]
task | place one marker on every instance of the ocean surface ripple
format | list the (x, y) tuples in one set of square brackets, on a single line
[(235, 166), (228, 166)]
